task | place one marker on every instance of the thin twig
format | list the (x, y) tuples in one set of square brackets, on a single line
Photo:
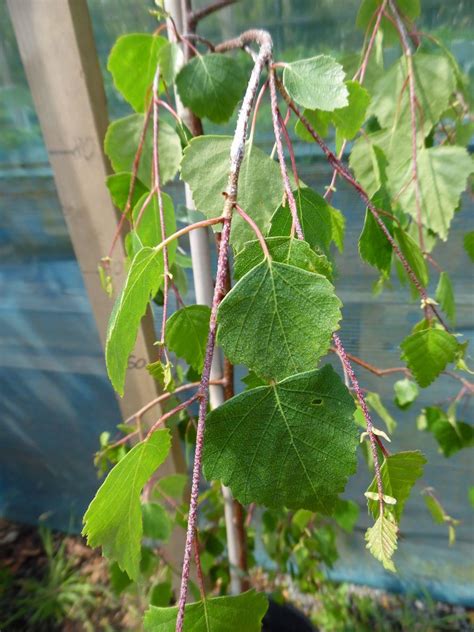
[(161, 213), (172, 412), (407, 49), (368, 420), (255, 229), (187, 229), (200, 14), (281, 157), (373, 369)]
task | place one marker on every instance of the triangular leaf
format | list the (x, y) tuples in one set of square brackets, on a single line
[(294, 312), (412, 253), (469, 244), (171, 59), (316, 83), (132, 64), (186, 334), (211, 86), (442, 177), (427, 353), (382, 540), (143, 281), (348, 120), (113, 519), (374, 247), (316, 217), (118, 185), (284, 250), (303, 446), (451, 435), (399, 474), (434, 84), (156, 522), (147, 232), (375, 403), (205, 167), (121, 142), (406, 392), (218, 614), (445, 296)]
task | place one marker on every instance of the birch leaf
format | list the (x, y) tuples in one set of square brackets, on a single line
[(211, 86), (427, 353), (186, 334), (399, 473), (217, 614), (445, 296), (132, 64), (143, 281), (278, 319), (382, 540), (205, 167), (114, 517), (316, 83), (303, 446), (121, 142)]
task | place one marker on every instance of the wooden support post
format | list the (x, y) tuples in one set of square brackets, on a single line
[(58, 51)]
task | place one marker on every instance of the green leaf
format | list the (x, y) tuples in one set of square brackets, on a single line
[(469, 244), (319, 121), (283, 250), (186, 334), (171, 59), (365, 16), (348, 120), (143, 281), (442, 177), (161, 594), (316, 218), (374, 247), (113, 519), (119, 580), (435, 508), (147, 232), (445, 296), (346, 514), (382, 540), (316, 83), (118, 185), (262, 319), (205, 167), (338, 228), (406, 392), (211, 86), (303, 446), (434, 84), (132, 63), (451, 435), (121, 142), (156, 522), (375, 403), (162, 374), (427, 353), (217, 614), (399, 473), (171, 486), (369, 162), (412, 253)]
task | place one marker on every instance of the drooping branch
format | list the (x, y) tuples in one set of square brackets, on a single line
[(196, 16), (159, 200), (237, 153), (407, 50), (296, 225), (345, 173)]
